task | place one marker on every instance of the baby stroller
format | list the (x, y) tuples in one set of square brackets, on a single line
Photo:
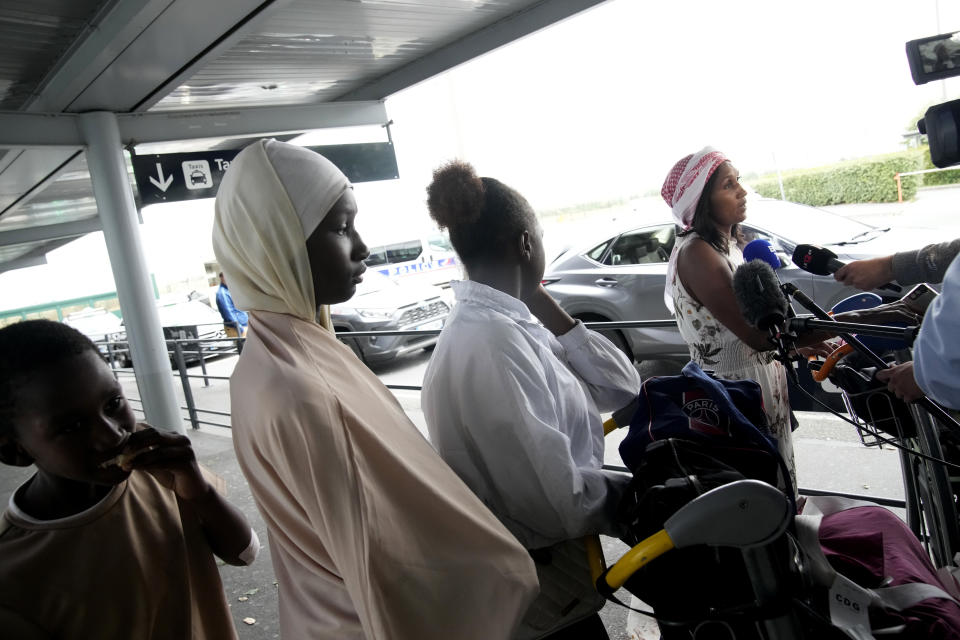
[(719, 552)]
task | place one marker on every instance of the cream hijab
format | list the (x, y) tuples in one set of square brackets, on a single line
[(271, 199)]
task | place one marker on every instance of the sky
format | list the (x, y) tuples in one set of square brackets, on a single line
[(603, 104), (599, 107)]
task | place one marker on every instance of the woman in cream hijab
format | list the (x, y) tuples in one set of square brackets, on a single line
[(372, 535)]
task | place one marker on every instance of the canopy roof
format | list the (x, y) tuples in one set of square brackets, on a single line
[(178, 57)]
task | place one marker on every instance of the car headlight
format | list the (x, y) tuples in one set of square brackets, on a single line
[(376, 314)]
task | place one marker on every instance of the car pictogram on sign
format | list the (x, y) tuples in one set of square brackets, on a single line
[(196, 174)]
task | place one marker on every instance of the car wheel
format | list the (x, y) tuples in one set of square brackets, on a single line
[(613, 335), (354, 345)]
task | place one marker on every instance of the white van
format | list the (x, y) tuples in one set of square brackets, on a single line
[(429, 260)]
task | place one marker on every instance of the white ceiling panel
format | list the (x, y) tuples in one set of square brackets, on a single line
[(34, 35), (318, 50)]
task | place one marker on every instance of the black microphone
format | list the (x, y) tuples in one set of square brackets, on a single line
[(758, 294), (820, 261)]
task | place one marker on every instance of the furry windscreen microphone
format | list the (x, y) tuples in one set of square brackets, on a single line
[(761, 249), (758, 293)]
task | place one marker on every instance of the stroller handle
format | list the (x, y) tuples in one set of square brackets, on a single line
[(621, 417), (823, 372), (639, 556), (610, 425), (743, 514)]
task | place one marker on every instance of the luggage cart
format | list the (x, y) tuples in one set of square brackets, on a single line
[(748, 583), (881, 419), (757, 557), (747, 515)]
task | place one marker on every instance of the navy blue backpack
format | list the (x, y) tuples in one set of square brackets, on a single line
[(723, 417), (698, 407), (691, 433)]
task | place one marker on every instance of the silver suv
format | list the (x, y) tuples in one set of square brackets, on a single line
[(620, 275), (382, 304)]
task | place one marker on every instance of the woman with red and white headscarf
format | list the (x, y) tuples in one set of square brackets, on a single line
[(708, 203)]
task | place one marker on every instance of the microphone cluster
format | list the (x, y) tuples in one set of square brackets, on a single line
[(764, 305), (820, 261)]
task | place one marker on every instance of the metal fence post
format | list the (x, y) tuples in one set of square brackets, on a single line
[(111, 355), (203, 363), (185, 381)]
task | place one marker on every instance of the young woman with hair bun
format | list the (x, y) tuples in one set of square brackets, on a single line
[(513, 395)]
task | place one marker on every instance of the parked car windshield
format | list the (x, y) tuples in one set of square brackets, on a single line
[(440, 243), (815, 226), (94, 323), (187, 313)]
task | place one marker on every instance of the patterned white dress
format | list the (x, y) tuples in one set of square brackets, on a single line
[(716, 348)]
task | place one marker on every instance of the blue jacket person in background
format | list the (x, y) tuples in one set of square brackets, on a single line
[(234, 320)]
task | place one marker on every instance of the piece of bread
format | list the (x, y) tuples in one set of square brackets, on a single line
[(125, 459)]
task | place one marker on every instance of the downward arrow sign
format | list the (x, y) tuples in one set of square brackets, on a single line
[(159, 182)]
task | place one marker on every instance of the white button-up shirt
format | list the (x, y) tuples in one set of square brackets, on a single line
[(515, 411)]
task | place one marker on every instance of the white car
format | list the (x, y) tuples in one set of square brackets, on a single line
[(186, 318), (95, 323)]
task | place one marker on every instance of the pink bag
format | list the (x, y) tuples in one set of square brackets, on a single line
[(880, 579)]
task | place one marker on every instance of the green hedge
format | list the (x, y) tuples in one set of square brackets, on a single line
[(862, 180), (940, 177)]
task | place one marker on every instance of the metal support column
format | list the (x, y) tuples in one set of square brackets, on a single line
[(118, 215)]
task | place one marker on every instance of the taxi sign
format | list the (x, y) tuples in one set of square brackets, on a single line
[(172, 177)]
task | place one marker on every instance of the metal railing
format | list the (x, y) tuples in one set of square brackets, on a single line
[(898, 177), (180, 348)]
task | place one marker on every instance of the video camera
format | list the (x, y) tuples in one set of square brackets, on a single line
[(937, 58)]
